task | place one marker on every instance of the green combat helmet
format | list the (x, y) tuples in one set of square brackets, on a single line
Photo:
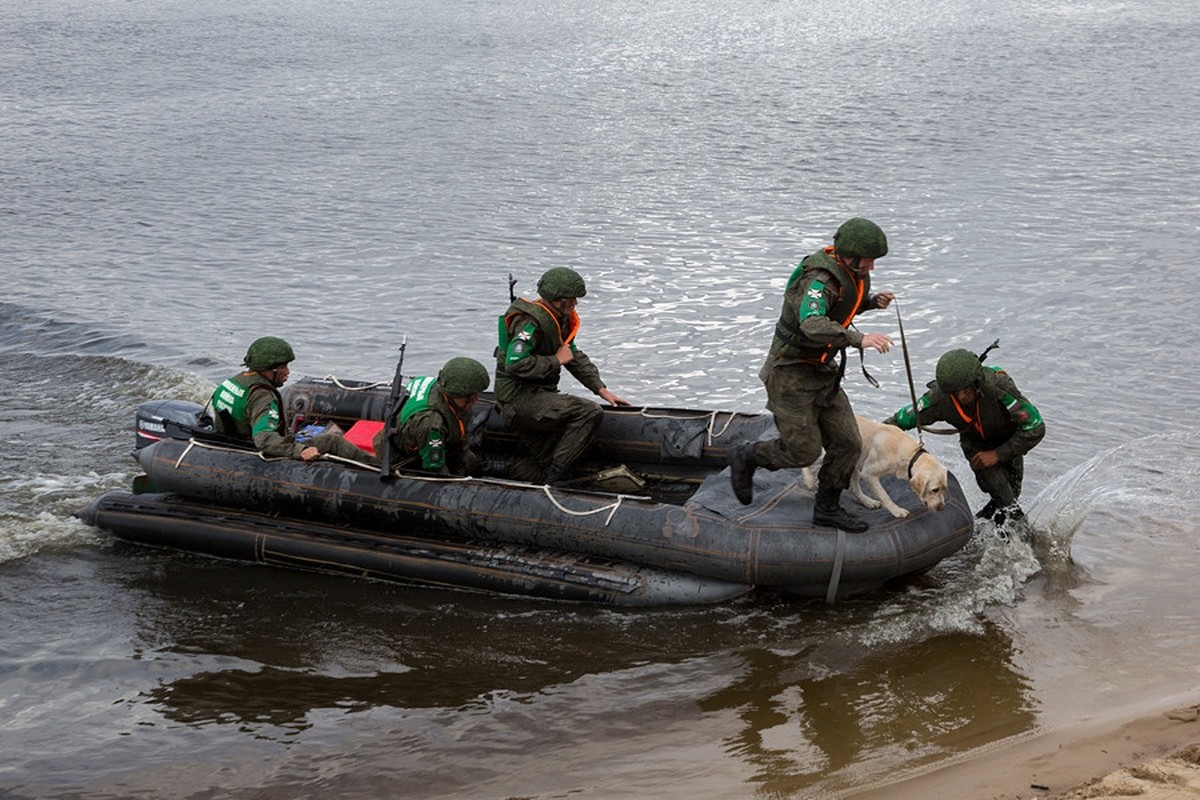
[(560, 283), (860, 238), (267, 352), (958, 369), (461, 377)]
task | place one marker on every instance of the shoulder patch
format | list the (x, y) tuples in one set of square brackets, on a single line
[(522, 344), (813, 304)]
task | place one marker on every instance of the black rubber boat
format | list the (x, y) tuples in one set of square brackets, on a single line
[(655, 523)]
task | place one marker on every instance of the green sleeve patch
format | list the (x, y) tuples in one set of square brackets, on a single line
[(1023, 412), (433, 453), (266, 422), (905, 418), (813, 304), (521, 346)]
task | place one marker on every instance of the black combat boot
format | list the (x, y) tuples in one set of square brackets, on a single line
[(1009, 513), (558, 473), (828, 511), (742, 464), (988, 512)]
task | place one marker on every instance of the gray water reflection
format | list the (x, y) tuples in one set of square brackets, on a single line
[(904, 706), (810, 696)]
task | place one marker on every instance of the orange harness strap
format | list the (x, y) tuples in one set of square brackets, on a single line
[(975, 422), (574, 319)]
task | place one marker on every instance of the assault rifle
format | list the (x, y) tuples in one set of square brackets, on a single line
[(396, 399), (983, 356), (512, 297)]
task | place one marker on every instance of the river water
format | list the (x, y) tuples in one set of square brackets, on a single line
[(178, 179)]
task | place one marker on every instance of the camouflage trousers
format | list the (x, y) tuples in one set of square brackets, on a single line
[(1002, 483), (812, 414), (335, 444), (555, 427)]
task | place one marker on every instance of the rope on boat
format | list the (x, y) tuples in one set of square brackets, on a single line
[(337, 382), (344, 460), (611, 508), (186, 450), (192, 442), (712, 421)]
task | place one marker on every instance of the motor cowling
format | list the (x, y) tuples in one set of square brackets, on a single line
[(159, 419)]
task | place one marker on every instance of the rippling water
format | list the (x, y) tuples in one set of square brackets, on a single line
[(178, 180)]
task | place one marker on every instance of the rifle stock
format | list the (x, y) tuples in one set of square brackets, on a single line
[(395, 401)]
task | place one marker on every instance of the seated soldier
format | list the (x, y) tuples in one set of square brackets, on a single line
[(432, 429), (248, 406), (537, 341)]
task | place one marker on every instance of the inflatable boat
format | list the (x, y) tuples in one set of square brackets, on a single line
[(651, 521)]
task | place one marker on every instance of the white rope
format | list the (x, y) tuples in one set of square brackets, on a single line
[(260, 455), (712, 420), (611, 508), (186, 450), (344, 460), (226, 449), (337, 382), (713, 436)]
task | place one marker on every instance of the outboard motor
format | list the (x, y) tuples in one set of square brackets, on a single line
[(159, 419)]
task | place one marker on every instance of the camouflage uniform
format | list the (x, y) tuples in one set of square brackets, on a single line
[(803, 380), (557, 428), (1002, 420), (260, 419), (429, 432), (823, 295)]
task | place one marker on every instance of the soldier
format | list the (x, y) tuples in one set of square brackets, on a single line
[(434, 422), (803, 380), (997, 426), (537, 339), (248, 405)]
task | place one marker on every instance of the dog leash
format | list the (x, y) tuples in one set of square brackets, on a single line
[(912, 389)]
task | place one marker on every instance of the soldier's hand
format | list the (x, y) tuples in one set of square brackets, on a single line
[(612, 398), (565, 354), (877, 341), (883, 299), (309, 453), (984, 459)]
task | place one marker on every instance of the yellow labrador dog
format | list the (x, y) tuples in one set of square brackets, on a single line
[(887, 450)]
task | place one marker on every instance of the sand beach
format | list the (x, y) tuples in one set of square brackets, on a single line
[(1153, 754)]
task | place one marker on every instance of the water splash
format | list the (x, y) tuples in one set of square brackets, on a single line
[(1148, 482), (57, 462)]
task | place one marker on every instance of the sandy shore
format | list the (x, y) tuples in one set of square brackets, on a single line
[(1153, 755)]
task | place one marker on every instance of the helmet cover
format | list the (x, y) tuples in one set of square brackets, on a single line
[(268, 352)]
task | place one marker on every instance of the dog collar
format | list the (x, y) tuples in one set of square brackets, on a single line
[(920, 452)]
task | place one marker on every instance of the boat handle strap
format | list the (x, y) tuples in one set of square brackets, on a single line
[(839, 558)]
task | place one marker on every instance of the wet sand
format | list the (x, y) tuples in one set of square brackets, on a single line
[(1152, 754)]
